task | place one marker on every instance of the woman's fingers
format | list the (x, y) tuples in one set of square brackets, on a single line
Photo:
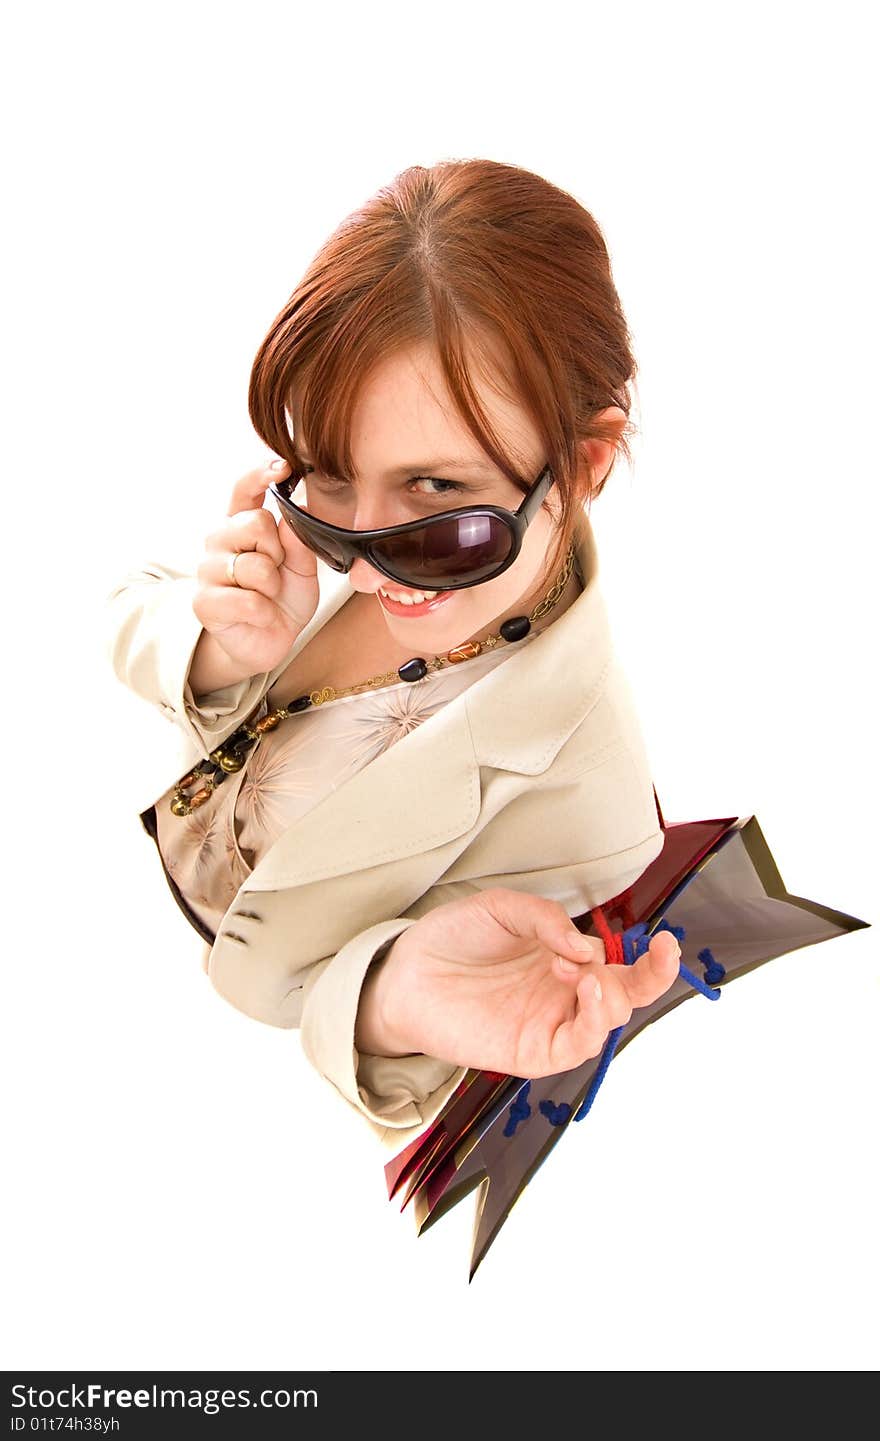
[(248, 530), (623, 989), (249, 491), (255, 569), (653, 973), (218, 606), (548, 922), (607, 997), (598, 1010), (298, 559), (269, 557), (660, 960), (251, 527), (540, 919)]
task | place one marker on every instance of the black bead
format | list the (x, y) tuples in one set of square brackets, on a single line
[(301, 703), (413, 669), (516, 627)]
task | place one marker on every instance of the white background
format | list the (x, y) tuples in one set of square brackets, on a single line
[(182, 1190)]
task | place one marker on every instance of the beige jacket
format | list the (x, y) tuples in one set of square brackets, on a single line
[(536, 777)]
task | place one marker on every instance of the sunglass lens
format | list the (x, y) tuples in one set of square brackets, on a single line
[(446, 552), (324, 547)]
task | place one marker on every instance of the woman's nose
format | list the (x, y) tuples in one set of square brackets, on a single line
[(370, 513), (363, 577)]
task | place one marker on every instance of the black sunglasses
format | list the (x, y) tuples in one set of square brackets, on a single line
[(447, 551)]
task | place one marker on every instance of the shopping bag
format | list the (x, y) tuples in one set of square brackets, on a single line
[(716, 886)]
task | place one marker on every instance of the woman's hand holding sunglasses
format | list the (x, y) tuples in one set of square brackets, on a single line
[(253, 622)]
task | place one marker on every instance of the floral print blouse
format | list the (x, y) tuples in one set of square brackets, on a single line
[(210, 853)]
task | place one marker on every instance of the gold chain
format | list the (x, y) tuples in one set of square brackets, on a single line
[(231, 754), (467, 651)]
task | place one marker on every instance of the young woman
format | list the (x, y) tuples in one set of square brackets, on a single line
[(412, 756)]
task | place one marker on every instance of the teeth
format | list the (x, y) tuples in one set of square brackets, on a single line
[(410, 597)]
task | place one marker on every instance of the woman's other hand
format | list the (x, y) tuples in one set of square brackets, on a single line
[(252, 624), (495, 981)]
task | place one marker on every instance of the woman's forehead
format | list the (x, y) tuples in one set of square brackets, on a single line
[(405, 419)]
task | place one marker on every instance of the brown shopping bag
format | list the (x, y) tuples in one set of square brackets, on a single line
[(716, 885)]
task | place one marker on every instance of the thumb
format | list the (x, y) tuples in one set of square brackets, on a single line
[(578, 950), (553, 926), (299, 565), (545, 920), (298, 557)]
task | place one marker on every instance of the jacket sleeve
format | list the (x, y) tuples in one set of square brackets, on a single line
[(389, 1091), (150, 635), (397, 1095), (394, 1091), (252, 965)]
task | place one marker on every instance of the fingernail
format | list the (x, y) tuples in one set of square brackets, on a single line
[(277, 464), (570, 967), (598, 991), (582, 943)]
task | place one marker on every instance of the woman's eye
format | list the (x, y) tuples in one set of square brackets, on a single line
[(445, 487), (322, 482), (450, 485), (304, 470)]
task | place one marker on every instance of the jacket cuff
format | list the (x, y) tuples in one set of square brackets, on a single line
[(395, 1091), (208, 719), (165, 609)]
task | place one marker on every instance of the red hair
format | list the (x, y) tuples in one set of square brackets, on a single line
[(483, 260)]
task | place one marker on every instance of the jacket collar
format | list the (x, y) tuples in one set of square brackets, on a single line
[(514, 718)]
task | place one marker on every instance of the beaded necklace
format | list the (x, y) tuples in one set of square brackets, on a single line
[(231, 754)]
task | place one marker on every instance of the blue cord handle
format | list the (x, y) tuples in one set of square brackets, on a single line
[(635, 943)]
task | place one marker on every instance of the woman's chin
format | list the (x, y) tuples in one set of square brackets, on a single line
[(424, 639)]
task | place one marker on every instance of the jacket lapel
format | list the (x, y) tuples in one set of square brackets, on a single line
[(425, 789), (418, 793)]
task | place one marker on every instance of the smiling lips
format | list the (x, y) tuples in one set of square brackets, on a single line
[(412, 602), (411, 596)]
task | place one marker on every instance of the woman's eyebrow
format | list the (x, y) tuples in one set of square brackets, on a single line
[(424, 467), (448, 464)]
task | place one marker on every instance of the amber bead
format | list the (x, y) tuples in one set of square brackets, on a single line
[(516, 627), (466, 651), (413, 670), (268, 723), (199, 798)]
